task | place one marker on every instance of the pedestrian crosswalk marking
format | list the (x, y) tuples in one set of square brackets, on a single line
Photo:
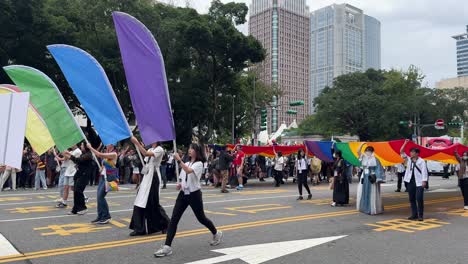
[(407, 226), (219, 213), (13, 199), (44, 209), (459, 212), (253, 209), (69, 229)]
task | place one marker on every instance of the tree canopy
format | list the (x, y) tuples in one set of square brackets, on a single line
[(371, 104), (205, 55)]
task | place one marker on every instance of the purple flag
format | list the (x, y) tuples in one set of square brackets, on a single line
[(146, 77)]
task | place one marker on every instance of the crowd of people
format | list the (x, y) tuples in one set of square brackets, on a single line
[(150, 169)]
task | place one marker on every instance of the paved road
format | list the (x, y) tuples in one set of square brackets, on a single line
[(260, 214)]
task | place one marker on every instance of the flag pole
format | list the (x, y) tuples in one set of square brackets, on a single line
[(176, 164)]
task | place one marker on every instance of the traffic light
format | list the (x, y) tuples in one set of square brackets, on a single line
[(406, 123), (263, 119), (455, 124), (296, 103), (291, 112)]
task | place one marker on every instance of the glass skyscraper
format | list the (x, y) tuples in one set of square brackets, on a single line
[(462, 53), (342, 40)]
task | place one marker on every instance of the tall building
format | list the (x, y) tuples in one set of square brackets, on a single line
[(462, 53), (342, 40), (282, 26)]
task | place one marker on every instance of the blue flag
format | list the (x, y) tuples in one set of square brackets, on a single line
[(91, 86)]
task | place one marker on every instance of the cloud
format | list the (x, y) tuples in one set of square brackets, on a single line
[(414, 32)]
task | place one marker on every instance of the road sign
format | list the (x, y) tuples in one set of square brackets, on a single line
[(439, 124), (261, 253)]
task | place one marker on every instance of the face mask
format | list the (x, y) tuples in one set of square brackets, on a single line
[(465, 157), (334, 155), (368, 153)]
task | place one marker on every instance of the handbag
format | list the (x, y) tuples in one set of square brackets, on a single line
[(111, 185), (372, 178)]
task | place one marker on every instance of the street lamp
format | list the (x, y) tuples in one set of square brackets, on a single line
[(233, 116)]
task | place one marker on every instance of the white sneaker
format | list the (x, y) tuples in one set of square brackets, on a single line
[(333, 204), (83, 212), (217, 239), (164, 251), (466, 207)]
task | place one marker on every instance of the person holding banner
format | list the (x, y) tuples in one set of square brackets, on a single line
[(109, 173), (369, 199), (190, 195), (148, 215)]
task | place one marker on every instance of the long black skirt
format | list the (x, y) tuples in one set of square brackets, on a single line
[(153, 218), (341, 190)]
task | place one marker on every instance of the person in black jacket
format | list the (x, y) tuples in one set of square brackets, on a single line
[(86, 169), (224, 162)]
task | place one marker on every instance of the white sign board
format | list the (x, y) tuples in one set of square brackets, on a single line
[(13, 115)]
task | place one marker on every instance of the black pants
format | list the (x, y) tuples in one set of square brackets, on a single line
[(153, 217), (78, 195), (278, 177), (400, 175), (302, 181), (195, 201), (416, 198), (463, 183)]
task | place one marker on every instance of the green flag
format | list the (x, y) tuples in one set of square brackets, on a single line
[(48, 101), (347, 153)]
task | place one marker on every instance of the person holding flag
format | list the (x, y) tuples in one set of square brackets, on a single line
[(109, 173), (148, 215)]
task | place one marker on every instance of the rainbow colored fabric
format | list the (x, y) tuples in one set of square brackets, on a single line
[(388, 152)]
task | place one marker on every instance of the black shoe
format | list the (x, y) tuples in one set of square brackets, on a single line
[(262, 180), (420, 219), (300, 198), (224, 191), (95, 221), (406, 190), (309, 197), (412, 218), (398, 190), (135, 233), (164, 186)]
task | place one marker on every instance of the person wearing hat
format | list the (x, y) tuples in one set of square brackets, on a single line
[(416, 177)]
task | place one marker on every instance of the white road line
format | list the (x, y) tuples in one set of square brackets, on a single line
[(128, 210), (6, 248)]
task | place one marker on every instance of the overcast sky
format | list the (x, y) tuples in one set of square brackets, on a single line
[(413, 31)]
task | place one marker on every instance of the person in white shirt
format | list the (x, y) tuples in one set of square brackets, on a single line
[(190, 195), (278, 168), (302, 169), (400, 169), (148, 215), (416, 177), (70, 171)]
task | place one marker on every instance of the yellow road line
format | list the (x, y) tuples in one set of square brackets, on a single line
[(125, 242)]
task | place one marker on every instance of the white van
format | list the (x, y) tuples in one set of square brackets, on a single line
[(435, 167)]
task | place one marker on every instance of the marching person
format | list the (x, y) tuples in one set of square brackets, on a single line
[(463, 176), (239, 166), (68, 176), (223, 164), (416, 177), (109, 173), (40, 172), (400, 168), (86, 168), (190, 195), (302, 168), (340, 181), (279, 167), (369, 199), (148, 215)]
